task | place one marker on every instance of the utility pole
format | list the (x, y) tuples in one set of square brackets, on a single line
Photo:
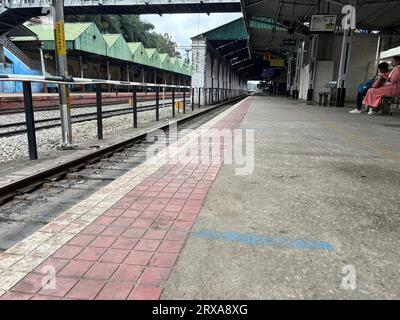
[(61, 56)]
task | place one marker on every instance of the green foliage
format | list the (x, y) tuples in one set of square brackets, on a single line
[(133, 29)]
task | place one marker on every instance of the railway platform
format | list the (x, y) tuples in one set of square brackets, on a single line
[(314, 215)]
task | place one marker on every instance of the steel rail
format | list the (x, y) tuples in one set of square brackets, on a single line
[(87, 116), (34, 181)]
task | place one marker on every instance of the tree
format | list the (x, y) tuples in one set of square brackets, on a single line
[(133, 29)]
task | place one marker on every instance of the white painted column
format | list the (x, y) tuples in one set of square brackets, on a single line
[(199, 60), (313, 66), (289, 75), (344, 67)]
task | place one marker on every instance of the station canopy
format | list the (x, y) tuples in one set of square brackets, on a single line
[(275, 27), (295, 17), (231, 41)]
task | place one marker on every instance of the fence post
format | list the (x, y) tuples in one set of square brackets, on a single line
[(157, 104), (173, 101), (134, 105), (30, 121), (184, 100), (192, 99), (199, 96), (99, 113)]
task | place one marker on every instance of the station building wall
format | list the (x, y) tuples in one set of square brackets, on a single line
[(362, 61)]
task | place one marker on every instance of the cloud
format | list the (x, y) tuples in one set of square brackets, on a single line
[(184, 26)]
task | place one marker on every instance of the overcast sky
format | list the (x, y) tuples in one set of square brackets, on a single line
[(184, 26)]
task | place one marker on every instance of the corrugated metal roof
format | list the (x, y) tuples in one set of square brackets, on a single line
[(45, 31), (86, 37), (138, 52), (163, 56), (175, 65), (154, 58), (134, 46), (234, 30), (166, 61), (111, 38), (117, 47), (150, 52)]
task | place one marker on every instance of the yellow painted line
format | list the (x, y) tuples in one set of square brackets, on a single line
[(383, 151)]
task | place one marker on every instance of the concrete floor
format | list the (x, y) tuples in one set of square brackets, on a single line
[(320, 175)]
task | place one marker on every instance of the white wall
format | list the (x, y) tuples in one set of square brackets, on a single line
[(362, 61), (304, 78), (323, 74)]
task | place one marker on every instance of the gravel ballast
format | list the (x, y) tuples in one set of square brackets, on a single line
[(16, 147)]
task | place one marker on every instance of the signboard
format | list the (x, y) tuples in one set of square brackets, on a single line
[(267, 56), (61, 47), (289, 42), (278, 63), (323, 23), (267, 73)]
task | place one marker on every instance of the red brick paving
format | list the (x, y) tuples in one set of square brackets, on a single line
[(130, 250)]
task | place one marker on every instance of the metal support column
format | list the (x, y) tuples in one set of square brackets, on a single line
[(157, 104), (199, 97), (289, 75), (127, 73), (211, 98), (99, 112), (81, 67), (30, 121), (143, 75), (192, 103), (108, 74), (344, 67), (173, 102), (218, 82), (61, 57), (184, 100), (134, 106), (296, 73), (81, 71), (42, 65), (313, 67), (378, 51), (2, 54)]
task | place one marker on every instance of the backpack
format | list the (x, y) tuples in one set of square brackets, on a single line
[(363, 87)]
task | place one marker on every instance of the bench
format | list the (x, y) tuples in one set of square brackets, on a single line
[(385, 106), (325, 97)]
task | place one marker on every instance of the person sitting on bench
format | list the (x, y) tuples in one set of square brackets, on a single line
[(376, 82), (391, 88)]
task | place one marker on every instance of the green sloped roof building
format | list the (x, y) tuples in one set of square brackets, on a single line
[(86, 37)]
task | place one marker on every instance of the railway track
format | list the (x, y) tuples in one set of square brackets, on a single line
[(79, 118), (34, 201)]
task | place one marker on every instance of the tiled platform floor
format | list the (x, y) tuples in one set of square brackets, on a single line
[(124, 240)]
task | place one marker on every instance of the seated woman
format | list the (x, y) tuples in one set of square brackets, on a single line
[(374, 96), (375, 82)]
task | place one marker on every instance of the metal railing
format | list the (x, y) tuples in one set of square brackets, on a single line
[(187, 95), (10, 46), (132, 86), (45, 3)]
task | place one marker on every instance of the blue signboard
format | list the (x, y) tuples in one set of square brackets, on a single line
[(267, 73)]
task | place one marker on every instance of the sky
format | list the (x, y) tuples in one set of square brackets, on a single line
[(184, 26)]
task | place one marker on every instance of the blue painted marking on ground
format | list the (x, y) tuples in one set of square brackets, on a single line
[(253, 239)]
